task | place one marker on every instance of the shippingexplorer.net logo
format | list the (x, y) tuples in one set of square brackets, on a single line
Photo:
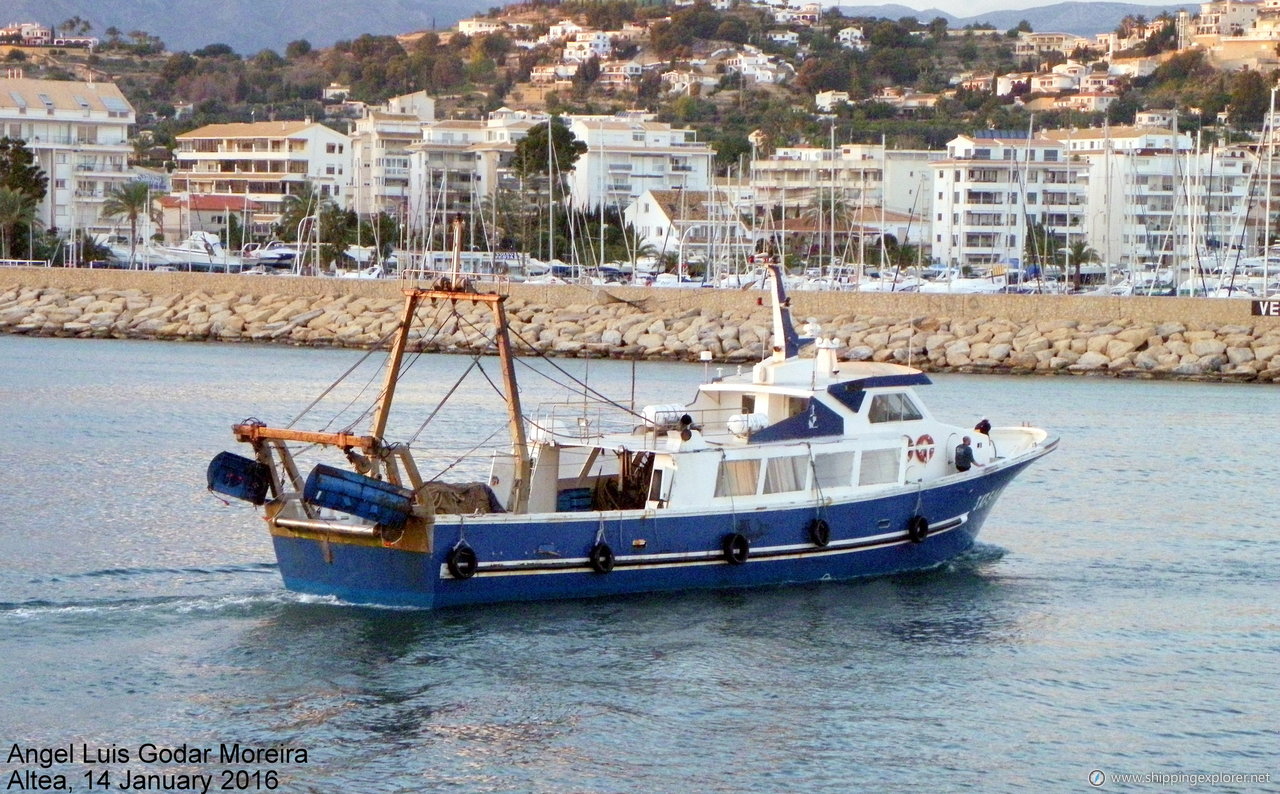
[(1098, 778)]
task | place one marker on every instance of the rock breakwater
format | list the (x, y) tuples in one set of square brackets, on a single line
[(602, 325)]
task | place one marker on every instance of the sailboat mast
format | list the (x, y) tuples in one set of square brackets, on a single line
[(551, 198)]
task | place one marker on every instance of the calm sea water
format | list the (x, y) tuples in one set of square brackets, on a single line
[(1121, 613)]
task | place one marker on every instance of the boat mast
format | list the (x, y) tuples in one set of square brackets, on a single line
[(412, 298), (515, 418)]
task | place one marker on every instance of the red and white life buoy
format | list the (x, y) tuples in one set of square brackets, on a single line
[(924, 448)]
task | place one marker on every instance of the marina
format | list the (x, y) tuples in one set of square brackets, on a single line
[(1110, 618)]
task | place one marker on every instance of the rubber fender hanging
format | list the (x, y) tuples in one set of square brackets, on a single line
[(819, 532), (601, 558), (462, 562), (917, 529), (736, 548)]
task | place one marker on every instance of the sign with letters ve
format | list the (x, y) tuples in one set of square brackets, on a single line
[(1269, 308)]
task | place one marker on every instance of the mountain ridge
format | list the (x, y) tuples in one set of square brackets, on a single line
[(1076, 18), (249, 26)]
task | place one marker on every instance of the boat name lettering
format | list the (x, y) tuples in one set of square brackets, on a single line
[(987, 499)]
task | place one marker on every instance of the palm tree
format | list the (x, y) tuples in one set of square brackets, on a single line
[(1079, 253), (131, 200), (16, 209)]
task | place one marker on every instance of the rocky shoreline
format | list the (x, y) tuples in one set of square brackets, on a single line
[(603, 325)]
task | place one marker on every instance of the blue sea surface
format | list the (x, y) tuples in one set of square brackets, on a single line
[(1120, 613)]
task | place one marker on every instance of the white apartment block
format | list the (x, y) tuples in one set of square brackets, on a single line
[(690, 224), (264, 162), (627, 156), (477, 26), (561, 30), (992, 186), (79, 135), (785, 38), (459, 162), (1150, 198), (588, 44), (1225, 18), (851, 38), (380, 152), (864, 178), (826, 101), (754, 65), (1030, 44), (619, 74), (1086, 101)]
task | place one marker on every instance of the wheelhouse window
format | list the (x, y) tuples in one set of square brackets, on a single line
[(879, 466), (785, 474), (892, 407), (834, 470), (737, 477)]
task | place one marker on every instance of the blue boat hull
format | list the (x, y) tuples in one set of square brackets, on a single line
[(653, 551)]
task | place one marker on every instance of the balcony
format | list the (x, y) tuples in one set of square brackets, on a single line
[(984, 175), (984, 219), (984, 199)]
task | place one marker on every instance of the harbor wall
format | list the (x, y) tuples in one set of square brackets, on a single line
[(1193, 338)]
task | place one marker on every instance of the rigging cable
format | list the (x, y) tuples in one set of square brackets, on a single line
[(341, 378), (368, 410)]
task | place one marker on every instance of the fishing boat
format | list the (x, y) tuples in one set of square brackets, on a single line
[(802, 469)]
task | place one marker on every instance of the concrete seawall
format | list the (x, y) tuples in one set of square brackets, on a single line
[(1135, 337)]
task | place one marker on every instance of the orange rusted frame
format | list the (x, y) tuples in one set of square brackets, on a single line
[(253, 433)]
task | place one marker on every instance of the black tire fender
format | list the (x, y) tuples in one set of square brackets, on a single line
[(462, 562), (819, 532), (601, 558), (736, 548), (917, 529)]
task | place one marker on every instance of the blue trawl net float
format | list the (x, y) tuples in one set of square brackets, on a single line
[(357, 495), (239, 477), (573, 500)]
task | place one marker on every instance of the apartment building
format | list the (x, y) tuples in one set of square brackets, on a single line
[(628, 155), (380, 152), (1149, 198), (690, 224), (460, 162), (992, 186), (857, 176), (79, 135), (264, 162)]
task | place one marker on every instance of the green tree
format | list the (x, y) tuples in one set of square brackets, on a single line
[(131, 200), (320, 220), (546, 154), (17, 211), (1079, 253), (531, 152), (18, 169), (1040, 247), (1250, 96), (294, 208)]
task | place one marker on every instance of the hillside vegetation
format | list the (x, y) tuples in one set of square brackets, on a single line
[(176, 92)]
